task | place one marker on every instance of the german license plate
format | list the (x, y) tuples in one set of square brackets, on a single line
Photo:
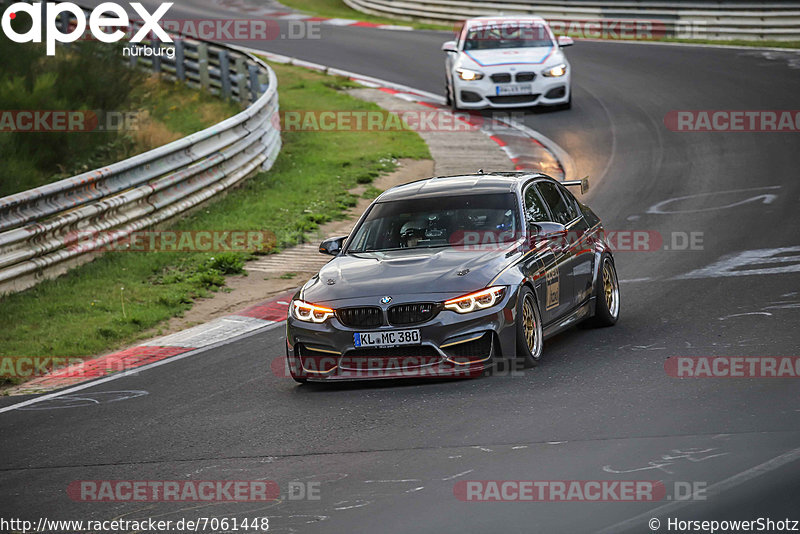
[(514, 89), (389, 338)]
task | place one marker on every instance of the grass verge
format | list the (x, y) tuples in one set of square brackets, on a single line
[(338, 9), (114, 300)]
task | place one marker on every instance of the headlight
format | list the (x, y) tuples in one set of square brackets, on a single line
[(555, 72), (480, 300), (469, 75), (310, 313)]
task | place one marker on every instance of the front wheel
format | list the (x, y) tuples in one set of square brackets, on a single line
[(529, 328), (607, 302), (450, 96), (568, 104)]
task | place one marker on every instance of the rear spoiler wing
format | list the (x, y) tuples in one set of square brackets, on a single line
[(583, 183)]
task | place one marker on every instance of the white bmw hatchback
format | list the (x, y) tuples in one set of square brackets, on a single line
[(507, 62)]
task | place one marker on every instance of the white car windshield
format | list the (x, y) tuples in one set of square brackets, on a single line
[(510, 35)]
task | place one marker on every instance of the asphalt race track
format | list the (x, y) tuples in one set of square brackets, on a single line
[(599, 407)]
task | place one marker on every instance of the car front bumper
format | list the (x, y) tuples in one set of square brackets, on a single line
[(484, 93), (451, 345)]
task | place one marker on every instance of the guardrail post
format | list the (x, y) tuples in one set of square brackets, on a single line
[(241, 78), (156, 58), (43, 20), (202, 65), (65, 19), (225, 72), (180, 57), (255, 85)]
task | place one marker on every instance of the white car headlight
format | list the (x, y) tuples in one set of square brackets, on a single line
[(480, 300), (469, 75), (555, 72), (310, 313)]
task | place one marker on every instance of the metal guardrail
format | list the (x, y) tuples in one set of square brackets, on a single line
[(696, 19), (39, 227)]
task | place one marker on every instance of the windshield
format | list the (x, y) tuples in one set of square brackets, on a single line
[(507, 36), (437, 222)]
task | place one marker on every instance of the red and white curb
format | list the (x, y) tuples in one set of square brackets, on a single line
[(265, 12), (205, 335)]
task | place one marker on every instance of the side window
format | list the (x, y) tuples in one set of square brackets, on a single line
[(562, 212), (572, 203), (534, 207)]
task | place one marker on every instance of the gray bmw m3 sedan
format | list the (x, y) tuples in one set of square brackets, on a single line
[(447, 276)]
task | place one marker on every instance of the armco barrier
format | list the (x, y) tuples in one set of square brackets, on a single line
[(699, 19), (38, 227)]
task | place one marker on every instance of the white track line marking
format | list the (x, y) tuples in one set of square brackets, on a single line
[(136, 370), (719, 487)]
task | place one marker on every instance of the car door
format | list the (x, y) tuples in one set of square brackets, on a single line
[(544, 267), (560, 281), (581, 238)]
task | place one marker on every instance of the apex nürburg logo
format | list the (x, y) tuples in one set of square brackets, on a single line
[(107, 15)]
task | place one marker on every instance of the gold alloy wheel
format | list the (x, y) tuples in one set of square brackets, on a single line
[(610, 288), (529, 325)]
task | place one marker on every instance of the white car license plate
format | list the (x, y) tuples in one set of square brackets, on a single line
[(386, 339), (514, 89)]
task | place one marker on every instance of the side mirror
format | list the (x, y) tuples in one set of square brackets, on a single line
[(332, 245), (551, 233), (564, 40), (449, 46)]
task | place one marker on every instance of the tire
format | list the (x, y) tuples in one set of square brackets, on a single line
[(529, 328), (453, 106), (451, 98), (606, 295), (568, 105), (448, 100)]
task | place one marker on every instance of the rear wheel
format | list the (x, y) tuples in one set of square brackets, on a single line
[(529, 328), (606, 292)]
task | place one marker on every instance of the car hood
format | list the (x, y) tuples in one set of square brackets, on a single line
[(512, 56), (399, 272)]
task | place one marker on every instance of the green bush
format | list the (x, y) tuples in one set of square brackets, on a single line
[(226, 263), (85, 76)]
